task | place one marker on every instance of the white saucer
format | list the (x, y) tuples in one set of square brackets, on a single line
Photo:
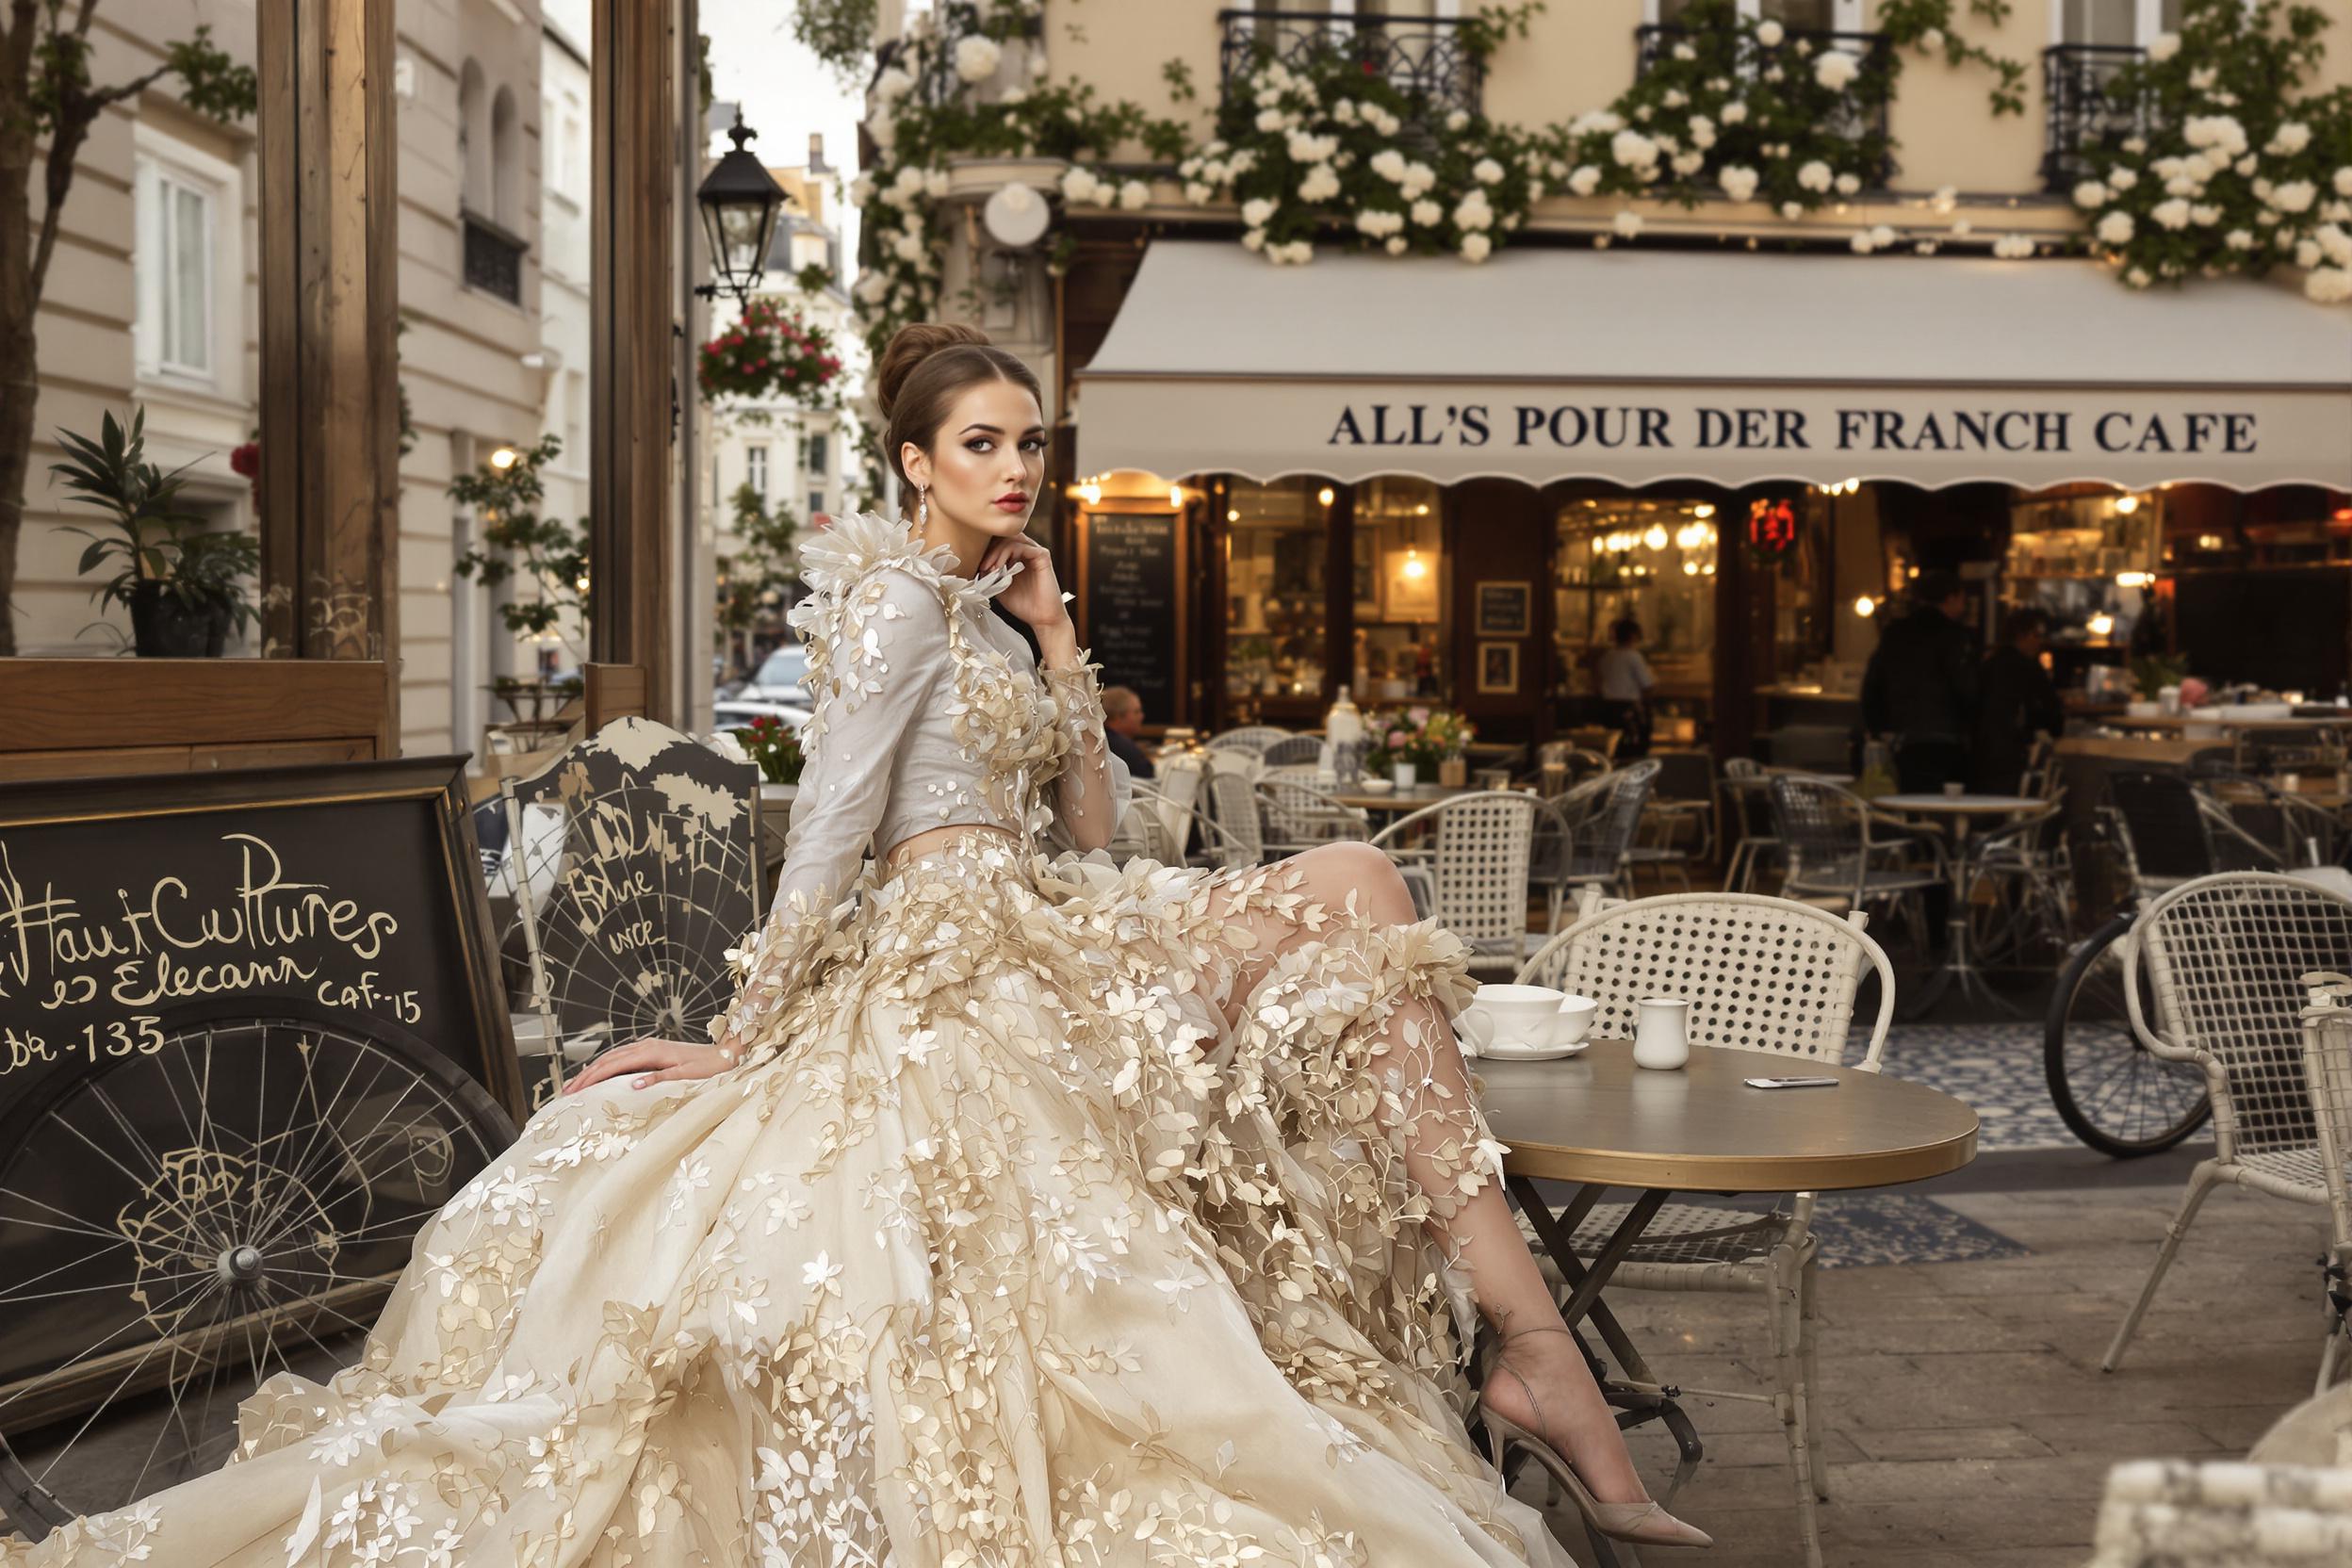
[(1504, 1051)]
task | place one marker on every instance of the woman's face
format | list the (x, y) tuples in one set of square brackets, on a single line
[(985, 462)]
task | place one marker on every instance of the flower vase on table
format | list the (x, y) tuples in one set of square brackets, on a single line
[(1454, 772), (1403, 774)]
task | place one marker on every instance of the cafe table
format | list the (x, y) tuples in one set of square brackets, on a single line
[(1597, 1121), (1397, 802), (1963, 811)]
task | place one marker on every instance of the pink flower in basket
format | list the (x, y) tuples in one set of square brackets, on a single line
[(2194, 692)]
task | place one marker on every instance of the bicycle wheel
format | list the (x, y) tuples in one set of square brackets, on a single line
[(231, 1198), (2115, 1094)]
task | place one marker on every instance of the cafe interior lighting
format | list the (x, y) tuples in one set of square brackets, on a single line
[(2101, 624), (1689, 568), (1323, 497), (1866, 606), (1176, 497), (1703, 509), (1656, 538), (1090, 493), (1233, 513), (505, 458), (2134, 579), (2126, 503), (1413, 565)]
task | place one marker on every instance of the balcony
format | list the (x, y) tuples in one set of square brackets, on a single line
[(2082, 112), (930, 58), (493, 259), (1871, 90), (1423, 58)]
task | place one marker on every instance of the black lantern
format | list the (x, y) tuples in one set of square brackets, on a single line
[(740, 202)]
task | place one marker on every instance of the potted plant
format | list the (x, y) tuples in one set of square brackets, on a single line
[(1417, 742), (775, 746), (183, 586), (2150, 675)]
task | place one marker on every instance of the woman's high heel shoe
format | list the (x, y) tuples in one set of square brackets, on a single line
[(1644, 1524)]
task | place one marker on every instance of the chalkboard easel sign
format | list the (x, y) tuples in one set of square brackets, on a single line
[(1131, 578), (347, 888)]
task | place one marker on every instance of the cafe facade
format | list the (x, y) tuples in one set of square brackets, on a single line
[(1434, 482)]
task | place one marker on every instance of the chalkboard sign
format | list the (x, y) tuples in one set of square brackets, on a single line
[(127, 905), (1131, 605)]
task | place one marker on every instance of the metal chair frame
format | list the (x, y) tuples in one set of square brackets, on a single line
[(1296, 816), (1478, 865)]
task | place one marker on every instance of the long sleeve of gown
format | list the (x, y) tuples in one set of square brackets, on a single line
[(1077, 692), (887, 654)]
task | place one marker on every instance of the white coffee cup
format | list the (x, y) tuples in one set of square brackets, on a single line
[(1661, 1032), (1505, 1018)]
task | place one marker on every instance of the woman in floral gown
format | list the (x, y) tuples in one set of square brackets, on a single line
[(1021, 1211)]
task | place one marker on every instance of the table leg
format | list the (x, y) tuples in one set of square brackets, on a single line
[(1959, 966)]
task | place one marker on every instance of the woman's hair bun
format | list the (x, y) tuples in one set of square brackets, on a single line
[(910, 346)]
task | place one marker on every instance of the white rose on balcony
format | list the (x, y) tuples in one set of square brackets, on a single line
[(1849, 184), (2289, 139), (1881, 235), (2203, 77), (1673, 97), (2329, 286), (2163, 46), (1734, 113), (907, 246), (2171, 215), (892, 85), (1487, 171), (1472, 212), (1082, 186), (1381, 120), (1738, 181), (1253, 240), (1931, 41), (2114, 229), (935, 183), (977, 57), (871, 286), (1702, 132), (1270, 121), (2013, 247), (1345, 111), (1816, 175), (1684, 51), (1793, 210), (2204, 215), (2343, 180), (1377, 224), (2122, 179), (1835, 69), (1769, 33), (1476, 247), (1627, 223), (2307, 253), (907, 183), (1305, 148), (1419, 177), (1395, 245), (1389, 164), (1585, 179), (2137, 278), (1862, 244), (1135, 195), (1427, 213), (1689, 163), (2335, 244), (2247, 165), (2239, 240), (2181, 185), (1457, 120), (2295, 196), (1633, 150), (861, 191), (2090, 193), (1199, 192), (2216, 130), (1257, 211), (1321, 183)]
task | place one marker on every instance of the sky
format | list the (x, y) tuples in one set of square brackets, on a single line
[(785, 92)]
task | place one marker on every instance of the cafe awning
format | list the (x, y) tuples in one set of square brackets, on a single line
[(1634, 365)]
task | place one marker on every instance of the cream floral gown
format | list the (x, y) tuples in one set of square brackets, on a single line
[(1001, 1248)]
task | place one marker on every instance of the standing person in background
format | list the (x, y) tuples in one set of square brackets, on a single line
[(1123, 716), (1624, 681), (2017, 701), (1920, 687)]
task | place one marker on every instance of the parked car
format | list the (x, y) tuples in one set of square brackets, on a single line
[(778, 678)]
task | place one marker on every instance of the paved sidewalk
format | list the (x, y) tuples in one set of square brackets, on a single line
[(1968, 1421)]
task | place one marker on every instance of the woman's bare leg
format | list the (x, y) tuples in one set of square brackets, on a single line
[(1479, 1230)]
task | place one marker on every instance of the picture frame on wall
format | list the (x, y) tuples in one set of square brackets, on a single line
[(1504, 608), (1499, 667)]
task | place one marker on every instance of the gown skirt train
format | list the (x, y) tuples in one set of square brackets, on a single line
[(1007, 1245)]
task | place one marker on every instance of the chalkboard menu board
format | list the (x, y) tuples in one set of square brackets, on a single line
[(129, 903), (1132, 604)]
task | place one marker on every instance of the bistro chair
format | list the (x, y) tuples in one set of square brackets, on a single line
[(1747, 809), (1474, 850), (1294, 751), (1253, 739), (1233, 806), (1143, 833), (1842, 852), (1177, 796), (2327, 1073), (2223, 959), (2023, 869), (1589, 839), (1296, 816), (1681, 807), (1597, 738), (1761, 974)]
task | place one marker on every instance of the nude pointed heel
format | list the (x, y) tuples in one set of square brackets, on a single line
[(1644, 1524)]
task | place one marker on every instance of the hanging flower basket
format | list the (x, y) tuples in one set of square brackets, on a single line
[(769, 353)]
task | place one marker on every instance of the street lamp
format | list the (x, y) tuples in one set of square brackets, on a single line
[(740, 202)]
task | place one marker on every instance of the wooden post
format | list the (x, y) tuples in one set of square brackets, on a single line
[(330, 296), (632, 573)]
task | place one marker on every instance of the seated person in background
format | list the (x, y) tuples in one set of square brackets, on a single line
[(1624, 678), (2015, 701), (1123, 715)]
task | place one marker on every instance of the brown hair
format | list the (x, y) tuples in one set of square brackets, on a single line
[(926, 366)]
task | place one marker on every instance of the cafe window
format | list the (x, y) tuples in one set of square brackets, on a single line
[(816, 453), (755, 470), (172, 258), (1403, 624), (1277, 626), (1648, 559)]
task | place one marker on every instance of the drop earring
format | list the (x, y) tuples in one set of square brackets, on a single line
[(922, 510)]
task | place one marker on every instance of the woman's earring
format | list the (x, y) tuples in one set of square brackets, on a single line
[(922, 509)]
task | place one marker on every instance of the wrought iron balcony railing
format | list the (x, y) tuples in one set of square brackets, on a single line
[(1797, 48), (932, 62), (493, 259), (2083, 113), (1424, 57)]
